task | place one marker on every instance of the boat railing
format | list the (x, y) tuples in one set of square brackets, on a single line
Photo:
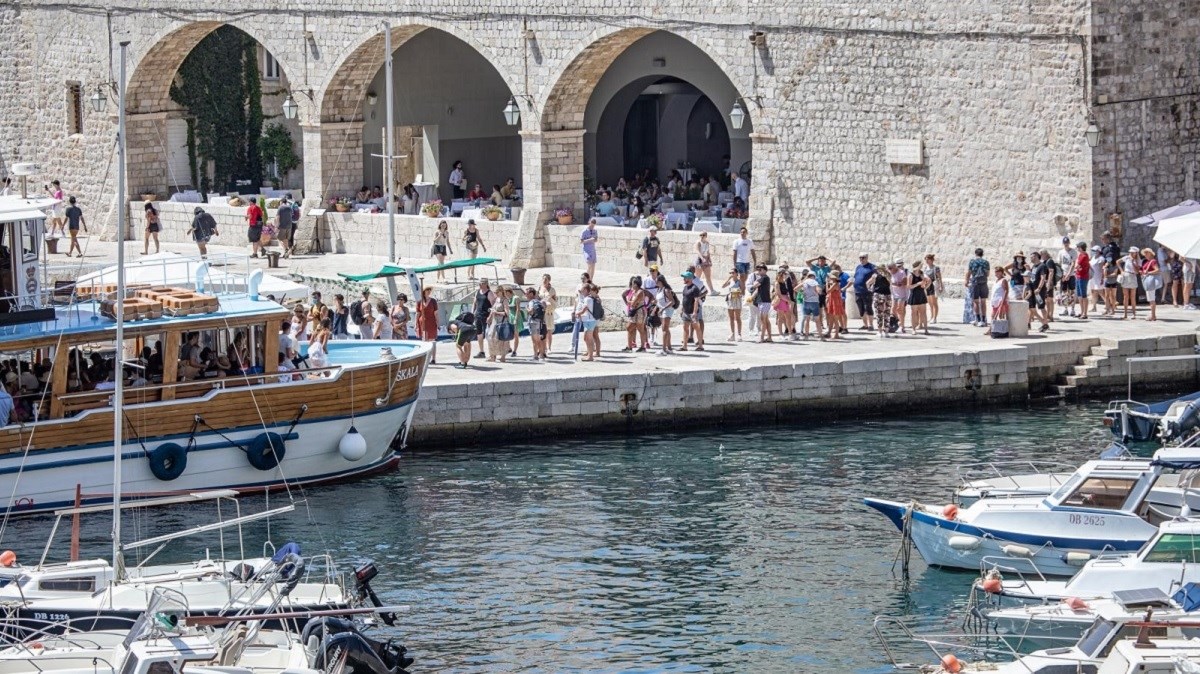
[(72, 631), (889, 631), (73, 403), (970, 472)]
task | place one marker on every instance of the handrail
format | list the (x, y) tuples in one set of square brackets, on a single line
[(215, 382)]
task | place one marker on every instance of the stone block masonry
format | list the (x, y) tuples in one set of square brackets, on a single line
[(995, 90), (851, 385)]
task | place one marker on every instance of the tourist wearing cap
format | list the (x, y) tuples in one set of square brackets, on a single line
[(1130, 265), (651, 250), (733, 303), (820, 266), (697, 312), (589, 237), (1151, 280), (862, 294)]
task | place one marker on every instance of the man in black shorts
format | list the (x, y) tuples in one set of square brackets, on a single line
[(74, 216), (1040, 286), (463, 329)]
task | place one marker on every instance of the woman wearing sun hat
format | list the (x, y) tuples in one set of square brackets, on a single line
[(1151, 280), (1130, 266)]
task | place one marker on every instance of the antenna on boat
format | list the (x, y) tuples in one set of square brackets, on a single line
[(119, 311)]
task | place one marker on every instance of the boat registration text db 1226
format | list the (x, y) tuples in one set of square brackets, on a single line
[(1086, 520)]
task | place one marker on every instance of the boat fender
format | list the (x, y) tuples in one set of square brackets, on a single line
[(1077, 558), (950, 511), (1075, 603), (8, 559), (951, 664), (168, 461), (1017, 551), (265, 451), (964, 542), (352, 446), (993, 585)]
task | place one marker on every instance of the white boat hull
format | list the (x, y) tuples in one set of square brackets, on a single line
[(48, 479)]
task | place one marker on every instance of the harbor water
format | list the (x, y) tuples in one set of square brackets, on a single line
[(726, 550)]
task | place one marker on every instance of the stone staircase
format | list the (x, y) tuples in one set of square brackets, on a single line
[(1105, 367)]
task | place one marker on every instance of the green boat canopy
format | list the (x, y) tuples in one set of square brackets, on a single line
[(395, 270)]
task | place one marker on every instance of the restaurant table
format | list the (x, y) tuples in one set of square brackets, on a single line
[(676, 221), (707, 225), (602, 221), (687, 174), (426, 192)]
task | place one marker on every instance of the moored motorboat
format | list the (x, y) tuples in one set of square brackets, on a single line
[(1103, 507)]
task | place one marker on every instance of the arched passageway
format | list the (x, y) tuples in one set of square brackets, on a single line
[(448, 104), (188, 115)]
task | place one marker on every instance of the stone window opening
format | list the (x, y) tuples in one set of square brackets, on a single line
[(74, 108), (270, 67)]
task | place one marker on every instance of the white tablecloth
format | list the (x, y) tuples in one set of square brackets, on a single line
[(707, 226), (676, 221), (189, 197), (687, 174), (475, 214), (364, 208), (602, 221), (426, 191), (458, 206)]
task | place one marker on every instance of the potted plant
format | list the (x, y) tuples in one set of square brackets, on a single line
[(565, 216), (340, 204), (149, 196), (655, 220), (432, 209), (268, 231), (492, 213), (236, 202)]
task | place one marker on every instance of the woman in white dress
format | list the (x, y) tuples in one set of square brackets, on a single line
[(1130, 266), (319, 343), (369, 322)]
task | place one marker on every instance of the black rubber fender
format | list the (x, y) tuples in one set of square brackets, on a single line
[(265, 451), (168, 461)]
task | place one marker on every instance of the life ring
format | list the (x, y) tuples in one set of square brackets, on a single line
[(265, 451), (168, 461)]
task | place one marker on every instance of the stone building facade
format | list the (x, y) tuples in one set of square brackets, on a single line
[(999, 94)]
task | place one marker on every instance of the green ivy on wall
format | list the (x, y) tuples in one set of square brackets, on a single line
[(276, 147), (220, 87)]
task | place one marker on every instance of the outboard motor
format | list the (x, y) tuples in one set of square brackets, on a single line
[(337, 642), (363, 576), (1187, 421)]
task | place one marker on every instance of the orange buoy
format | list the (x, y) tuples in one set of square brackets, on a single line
[(992, 585), (1075, 603), (8, 558), (951, 664), (950, 511)]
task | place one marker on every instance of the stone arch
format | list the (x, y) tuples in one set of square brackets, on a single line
[(151, 112), (349, 132)]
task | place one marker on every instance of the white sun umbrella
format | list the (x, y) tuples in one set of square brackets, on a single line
[(174, 269), (1157, 217), (1181, 234)]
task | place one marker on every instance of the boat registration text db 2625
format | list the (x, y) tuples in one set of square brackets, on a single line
[(1087, 520)]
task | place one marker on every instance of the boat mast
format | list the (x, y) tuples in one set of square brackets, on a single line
[(119, 311)]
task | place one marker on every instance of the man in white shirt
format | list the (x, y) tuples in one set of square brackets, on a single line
[(712, 191), (744, 255), (1066, 262), (741, 188)]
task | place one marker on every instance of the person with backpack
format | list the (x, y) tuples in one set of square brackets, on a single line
[(285, 229), (464, 332), (537, 323), (977, 281), (359, 311), (203, 229), (584, 315), (760, 292), (598, 313)]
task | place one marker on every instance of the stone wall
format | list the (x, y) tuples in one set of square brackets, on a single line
[(995, 90), (618, 245), (1146, 98), (367, 234)]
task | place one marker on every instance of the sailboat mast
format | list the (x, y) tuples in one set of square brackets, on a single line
[(119, 374)]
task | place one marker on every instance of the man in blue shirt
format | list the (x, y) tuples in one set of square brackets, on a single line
[(862, 297), (606, 208)]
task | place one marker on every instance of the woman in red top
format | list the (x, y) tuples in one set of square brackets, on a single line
[(1083, 273), (1151, 281), (427, 319)]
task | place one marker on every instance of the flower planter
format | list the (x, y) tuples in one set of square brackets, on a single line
[(149, 197), (566, 219), (341, 208), (431, 215), (492, 216)]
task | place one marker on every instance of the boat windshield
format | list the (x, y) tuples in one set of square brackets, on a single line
[(1096, 637), (1067, 487), (1108, 493), (1175, 548)]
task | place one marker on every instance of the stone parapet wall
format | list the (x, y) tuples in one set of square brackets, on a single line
[(367, 233), (618, 245), (848, 386)]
